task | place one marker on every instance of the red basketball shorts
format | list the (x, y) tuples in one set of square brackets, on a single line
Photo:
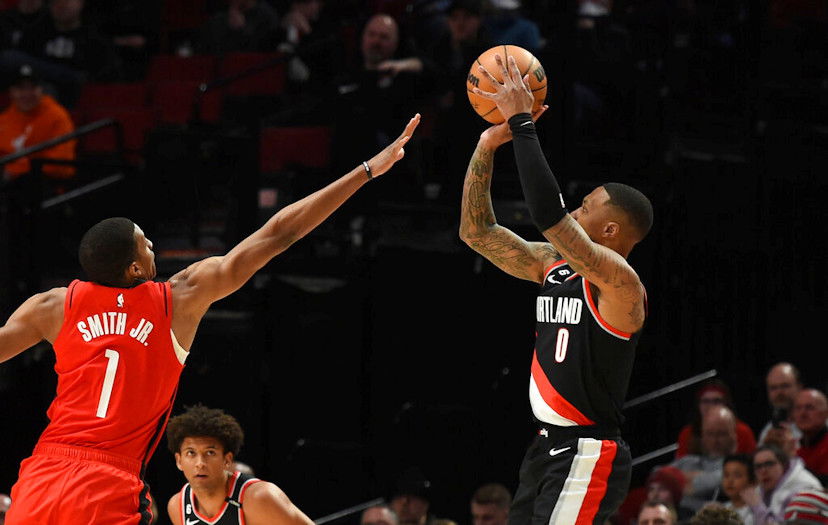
[(62, 484)]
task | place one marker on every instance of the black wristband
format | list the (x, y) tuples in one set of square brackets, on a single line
[(521, 123), (540, 189), (367, 169)]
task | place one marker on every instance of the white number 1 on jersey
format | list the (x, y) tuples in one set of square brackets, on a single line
[(109, 380)]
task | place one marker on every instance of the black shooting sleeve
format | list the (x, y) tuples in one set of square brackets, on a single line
[(540, 189)]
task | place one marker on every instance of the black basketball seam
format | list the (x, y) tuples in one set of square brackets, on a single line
[(538, 89), (528, 69), (494, 108)]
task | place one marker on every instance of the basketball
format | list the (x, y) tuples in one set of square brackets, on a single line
[(526, 63)]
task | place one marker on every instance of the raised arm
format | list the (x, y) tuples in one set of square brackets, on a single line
[(207, 281), (38, 318), (478, 224), (621, 292)]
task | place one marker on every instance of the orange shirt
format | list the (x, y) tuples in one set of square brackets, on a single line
[(20, 130)]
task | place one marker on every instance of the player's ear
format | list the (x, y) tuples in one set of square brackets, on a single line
[(134, 271), (611, 229), (228, 459), (178, 461)]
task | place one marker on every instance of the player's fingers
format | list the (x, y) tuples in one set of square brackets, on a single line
[(489, 76), (410, 127), (514, 71), (526, 81), (503, 70), (484, 94), (537, 114)]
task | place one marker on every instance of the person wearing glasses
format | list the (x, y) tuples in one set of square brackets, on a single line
[(780, 477)]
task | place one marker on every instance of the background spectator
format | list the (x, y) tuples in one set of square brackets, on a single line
[(490, 505), (34, 117), (67, 51), (5, 501), (738, 477), (780, 477), (246, 25), (714, 393), (654, 513), (807, 507), (715, 514), (507, 24), (810, 414), (452, 54), (783, 383), (704, 470), (15, 21), (379, 515)]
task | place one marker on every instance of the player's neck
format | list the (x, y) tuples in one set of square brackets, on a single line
[(210, 500)]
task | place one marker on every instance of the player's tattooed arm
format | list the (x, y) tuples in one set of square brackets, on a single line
[(480, 231), (615, 279)]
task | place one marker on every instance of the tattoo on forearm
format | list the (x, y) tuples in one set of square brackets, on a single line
[(478, 213)]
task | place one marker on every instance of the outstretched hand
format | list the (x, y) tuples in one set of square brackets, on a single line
[(500, 134), (382, 161), (512, 95)]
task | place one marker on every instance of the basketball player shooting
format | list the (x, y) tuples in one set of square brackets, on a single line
[(590, 311), (120, 342)]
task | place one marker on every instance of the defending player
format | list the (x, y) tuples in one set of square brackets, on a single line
[(590, 311), (120, 343), (204, 442)]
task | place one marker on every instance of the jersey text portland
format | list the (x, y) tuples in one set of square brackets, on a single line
[(581, 365)]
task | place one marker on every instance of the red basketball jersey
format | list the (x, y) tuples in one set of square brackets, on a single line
[(118, 369)]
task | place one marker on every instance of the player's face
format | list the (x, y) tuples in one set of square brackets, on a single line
[(593, 214), (145, 256), (204, 462), (488, 514), (734, 479)]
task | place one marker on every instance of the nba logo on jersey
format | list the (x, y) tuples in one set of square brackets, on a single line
[(559, 275), (120, 300)]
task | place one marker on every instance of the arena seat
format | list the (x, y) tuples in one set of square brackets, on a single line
[(174, 100), (135, 124), (113, 95), (282, 147), (269, 81), (166, 67)]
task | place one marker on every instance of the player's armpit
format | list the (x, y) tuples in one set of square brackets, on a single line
[(39, 317), (266, 504)]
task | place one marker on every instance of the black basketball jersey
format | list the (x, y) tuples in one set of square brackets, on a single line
[(230, 513), (581, 366)]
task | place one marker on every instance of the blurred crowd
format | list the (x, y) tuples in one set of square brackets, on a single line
[(376, 62)]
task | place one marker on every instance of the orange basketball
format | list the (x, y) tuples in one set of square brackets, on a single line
[(526, 63)]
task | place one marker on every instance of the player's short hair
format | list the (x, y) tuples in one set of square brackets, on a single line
[(635, 205), (494, 494), (201, 421), (744, 459), (107, 249)]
